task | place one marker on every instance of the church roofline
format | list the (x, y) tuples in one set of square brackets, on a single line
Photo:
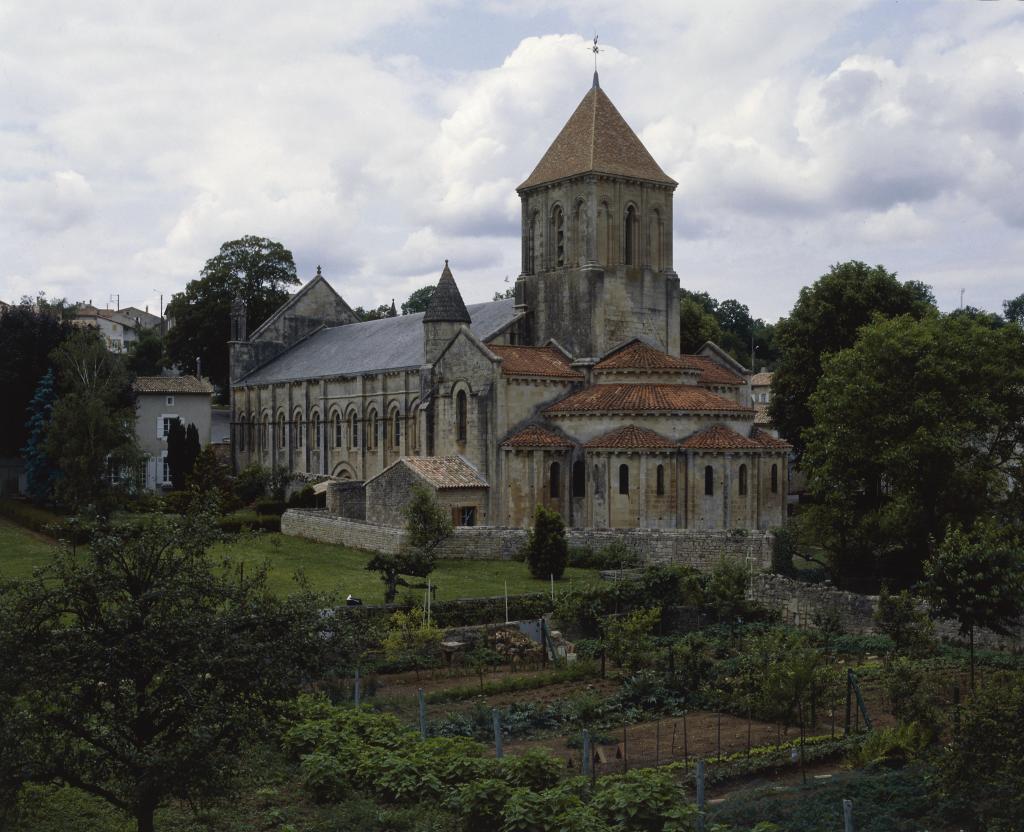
[(277, 313)]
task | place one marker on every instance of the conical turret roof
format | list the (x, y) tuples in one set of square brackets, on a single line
[(596, 139), (446, 303)]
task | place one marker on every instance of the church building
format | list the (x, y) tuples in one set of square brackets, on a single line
[(573, 394)]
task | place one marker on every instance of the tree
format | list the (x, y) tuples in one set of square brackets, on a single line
[(418, 300), (40, 473), (136, 671), (547, 551), (412, 639), (393, 566), (258, 270), (510, 292), (192, 448), (977, 578), (147, 355), (697, 321), (27, 337), (176, 453), (627, 637), (826, 319), (385, 310), (917, 428), (209, 477), (427, 524), (1013, 309), (91, 437), (901, 617)]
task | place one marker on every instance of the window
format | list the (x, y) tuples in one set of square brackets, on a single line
[(555, 486), (579, 479), (265, 434), (241, 434), (170, 401), (623, 479), (280, 431), (315, 428), (164, 425), (709, 481), (628, 232), (775, 479), (661, 480), (300, 429), (558, 222), (353, 430), (743, 481), (396, 430), (165, 469), (337, 430), (464, 516), (461, 416)]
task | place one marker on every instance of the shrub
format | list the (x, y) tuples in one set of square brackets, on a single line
[(269, 507), (894, 747), (251, 483), (783, 550), (306, 498), (904, 620), (628, 637), (248, 521), (547, 552), (726, 591), (616, 555)]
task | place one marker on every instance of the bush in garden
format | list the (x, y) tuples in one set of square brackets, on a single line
[(908, 694), (901, 617), (305, 498), (783, 549), (726, 591), (547, 552), (412, 638), (627, 638), (894, 747), (647, 800)]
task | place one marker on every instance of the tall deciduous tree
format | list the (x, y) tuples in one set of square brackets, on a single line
[(977, 578), (28, 335), (917, 427), (258, 270), (1013, 309), (147, 355), (91, 436), (418, 300), (826, 319), (137, 670)]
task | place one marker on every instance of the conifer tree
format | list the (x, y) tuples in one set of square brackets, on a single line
[(40, 471)]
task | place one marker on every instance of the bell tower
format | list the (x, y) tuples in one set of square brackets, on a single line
[(597, 238)]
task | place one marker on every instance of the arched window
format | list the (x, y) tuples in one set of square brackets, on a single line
[(300, 428), (265, 433), (242, 427), (558, 229), (531, 246), (623, 478), (661, 480), (280, 430), (628, 232), (579, 256), (461, 416), (743, 481), (709, 480), (556, 484), (775, 479), (579, 479), (353, 430), (252, 430), (396, 429), (414, 436), (314, 427)]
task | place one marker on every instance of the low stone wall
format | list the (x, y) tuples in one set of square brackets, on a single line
[(701, 549)]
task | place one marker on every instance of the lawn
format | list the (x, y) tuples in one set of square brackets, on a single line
[(327, 567)]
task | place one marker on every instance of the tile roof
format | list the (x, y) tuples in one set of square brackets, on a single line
[(444, 471), (630, 436), (769, 441), (762, 379), (533, 361), (371, 346), (597, 139), (636, 355), (536, 436), (761, 416), (715, 373), (604, 398), (446, 302), (719, 438), (171, 384)]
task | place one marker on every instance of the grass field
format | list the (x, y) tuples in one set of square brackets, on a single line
[(325, 566)]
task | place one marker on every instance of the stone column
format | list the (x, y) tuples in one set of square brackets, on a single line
[(726, 493), (641, 520)]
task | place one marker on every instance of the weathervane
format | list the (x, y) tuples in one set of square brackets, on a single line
[(595, 49)]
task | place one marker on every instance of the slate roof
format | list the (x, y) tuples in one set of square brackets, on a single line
[(627, 398), (636, 355), (444, 471), (630, 436), (762, 379), (597, 139), (546, 362), (371, 346), (714, 373), (446, 301), (720, 438), (179, 385), (536, 436), (769, 441)]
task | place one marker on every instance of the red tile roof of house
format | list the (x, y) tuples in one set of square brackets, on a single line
[(445, 471), (536, 436), (761, 416), (719, 438), (769, 441), (546, 362), (171, 384), (630, 436), (633, 398), (636, 355), (762, 379), (715, 373)]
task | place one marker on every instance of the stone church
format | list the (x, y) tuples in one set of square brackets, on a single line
[(573, 394)]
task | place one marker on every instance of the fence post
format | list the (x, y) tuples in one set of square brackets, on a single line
[(496, 716), (357, 689), (847, 815), (700, 795), (588, 755), (423, 714)]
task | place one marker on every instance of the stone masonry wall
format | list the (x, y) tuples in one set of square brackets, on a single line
[(701, 549)]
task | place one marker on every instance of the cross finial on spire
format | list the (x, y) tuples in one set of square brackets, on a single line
[(595, 49), (318, 271)]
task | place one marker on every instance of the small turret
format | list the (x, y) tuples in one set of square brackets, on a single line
[(238, 331), (445, 313)]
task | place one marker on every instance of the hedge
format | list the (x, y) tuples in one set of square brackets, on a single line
[(43, 521), (249, 521)]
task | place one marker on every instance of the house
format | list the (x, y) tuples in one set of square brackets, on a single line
[(159, 400)]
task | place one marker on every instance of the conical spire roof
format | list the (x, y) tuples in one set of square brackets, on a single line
[(596, 139), (446, 303)]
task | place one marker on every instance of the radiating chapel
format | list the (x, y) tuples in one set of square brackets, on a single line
[(573, 394)]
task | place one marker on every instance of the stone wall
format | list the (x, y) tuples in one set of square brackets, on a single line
[(701, 549), (347, 499)]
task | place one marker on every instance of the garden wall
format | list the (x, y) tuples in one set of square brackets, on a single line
[(701, 549)]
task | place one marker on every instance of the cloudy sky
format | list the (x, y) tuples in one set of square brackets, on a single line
[(378, 137)]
